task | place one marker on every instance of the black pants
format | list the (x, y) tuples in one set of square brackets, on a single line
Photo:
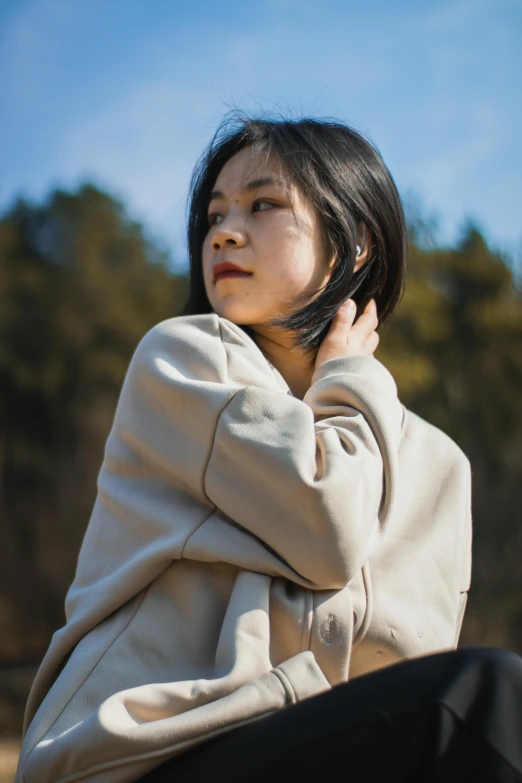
[(454, 717)]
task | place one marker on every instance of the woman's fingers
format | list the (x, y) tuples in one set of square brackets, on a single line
[(368, 320), (372, 342), (342, 324), (346, 313), (347, 337)]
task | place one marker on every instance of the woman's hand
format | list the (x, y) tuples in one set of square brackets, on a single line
[(345, 338)]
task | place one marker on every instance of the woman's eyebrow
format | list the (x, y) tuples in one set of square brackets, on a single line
[(254, 184)]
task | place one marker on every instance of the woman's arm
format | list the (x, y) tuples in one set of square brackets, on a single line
[(312, 479)]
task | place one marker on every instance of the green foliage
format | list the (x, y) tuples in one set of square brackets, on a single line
[(455, 344), (81, 284)]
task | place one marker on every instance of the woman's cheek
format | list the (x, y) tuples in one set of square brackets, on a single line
[(299, 271)]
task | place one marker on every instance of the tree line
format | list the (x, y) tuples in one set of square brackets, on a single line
[(81, 282)]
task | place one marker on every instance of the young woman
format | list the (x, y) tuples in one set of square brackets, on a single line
[(273, 580)]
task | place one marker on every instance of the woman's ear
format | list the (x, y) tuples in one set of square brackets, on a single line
[(364, 247)]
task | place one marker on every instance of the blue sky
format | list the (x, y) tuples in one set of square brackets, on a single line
[(126, 93)]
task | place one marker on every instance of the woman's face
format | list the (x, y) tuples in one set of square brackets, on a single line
[(268, 230)]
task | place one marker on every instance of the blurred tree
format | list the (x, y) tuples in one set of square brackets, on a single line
[(80, 285)]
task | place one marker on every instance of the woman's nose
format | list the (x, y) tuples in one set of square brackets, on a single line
[(228, 233)]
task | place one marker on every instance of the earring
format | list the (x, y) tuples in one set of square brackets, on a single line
[(357, 250)]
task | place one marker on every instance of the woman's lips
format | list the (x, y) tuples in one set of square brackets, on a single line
[(232, 273)]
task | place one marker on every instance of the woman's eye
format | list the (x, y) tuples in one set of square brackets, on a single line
[(258, 206), (262, 206), (214, 218)]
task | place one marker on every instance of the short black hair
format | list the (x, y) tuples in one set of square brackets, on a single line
[(344, 177)]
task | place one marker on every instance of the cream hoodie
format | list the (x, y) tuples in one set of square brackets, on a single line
[(246, 550)]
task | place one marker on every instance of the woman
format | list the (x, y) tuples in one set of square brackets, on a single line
[(271, 523)]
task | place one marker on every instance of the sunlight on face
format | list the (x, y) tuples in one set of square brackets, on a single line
[(267, 229)]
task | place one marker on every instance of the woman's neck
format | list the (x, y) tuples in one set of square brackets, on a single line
[(293, 365)]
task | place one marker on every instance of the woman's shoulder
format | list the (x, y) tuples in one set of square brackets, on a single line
[(205, 346), (186, 345), (183, 328), (194, 328)]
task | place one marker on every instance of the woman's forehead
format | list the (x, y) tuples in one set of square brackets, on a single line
[(247, 166)]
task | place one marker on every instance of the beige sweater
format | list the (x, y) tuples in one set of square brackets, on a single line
[(247, 549)]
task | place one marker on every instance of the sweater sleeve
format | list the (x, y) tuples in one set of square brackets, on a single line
[(312, 479)]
